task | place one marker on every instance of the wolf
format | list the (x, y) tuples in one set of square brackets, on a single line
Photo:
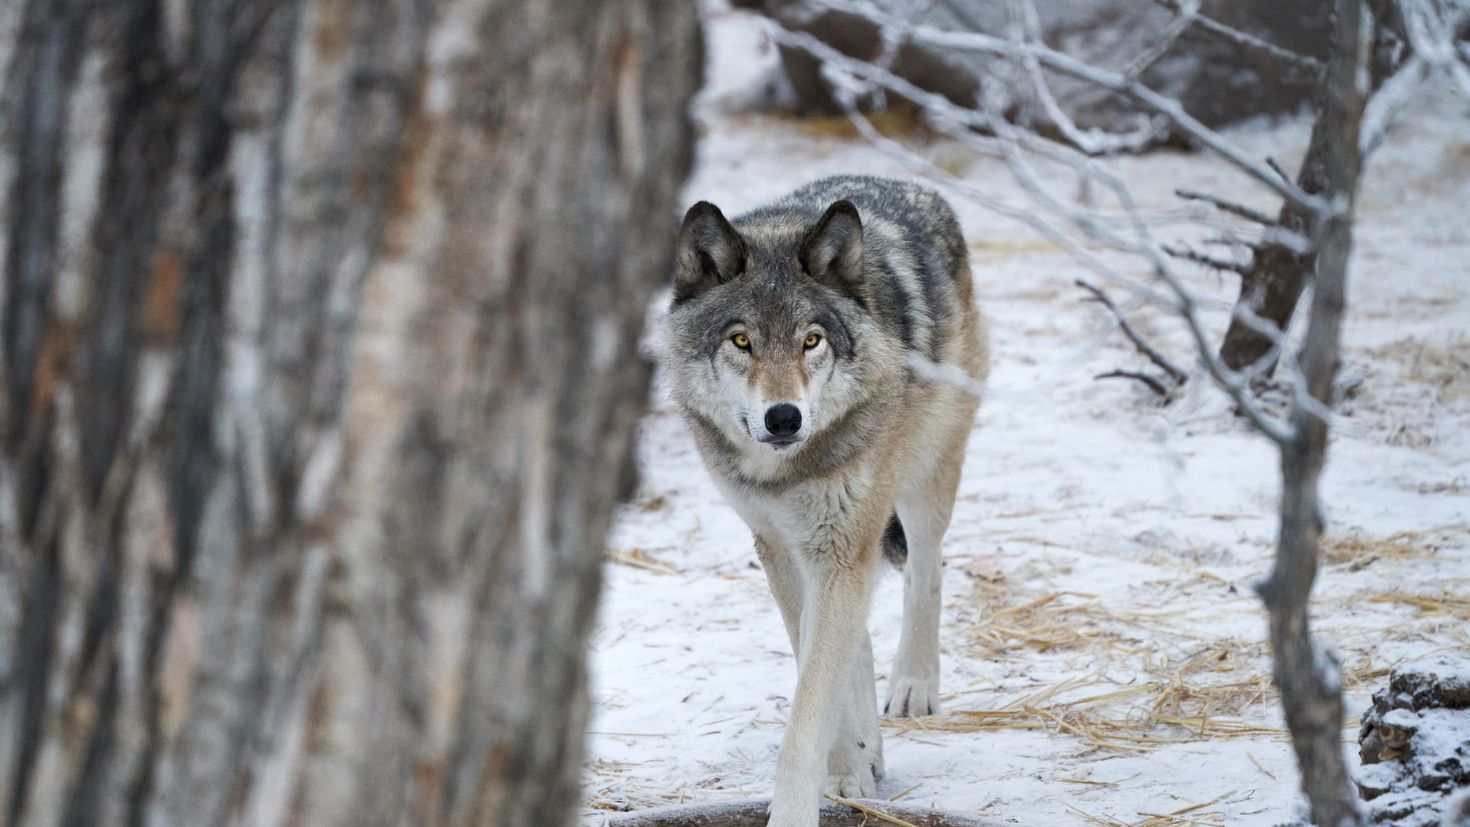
[(789, 349)]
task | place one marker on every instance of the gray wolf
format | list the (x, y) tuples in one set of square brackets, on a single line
[(787, 350)]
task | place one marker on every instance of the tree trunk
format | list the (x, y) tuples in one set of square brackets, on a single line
[(319, 371), (1306, 674), (1273, 285)]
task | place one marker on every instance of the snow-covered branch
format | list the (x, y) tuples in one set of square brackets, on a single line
[(1080, 70)]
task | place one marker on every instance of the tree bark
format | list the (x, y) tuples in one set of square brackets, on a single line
[(318, 353), (1306, 674), (1273, 285)]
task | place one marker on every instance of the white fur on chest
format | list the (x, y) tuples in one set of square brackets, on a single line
[(805, 515)]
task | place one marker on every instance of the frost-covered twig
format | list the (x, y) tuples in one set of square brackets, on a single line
[(1432, 28), (1240, 38), (1227, 205), (1090, 141), (1148, 350), (1391, 98), (941, 111), (1150, 382), (1138, 65), (1206, 259), (1111, 81), (932, 371)]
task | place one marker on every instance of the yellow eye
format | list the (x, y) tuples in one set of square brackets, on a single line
[(812, 340), (741, 341)]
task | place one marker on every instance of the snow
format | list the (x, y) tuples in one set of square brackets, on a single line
[(1136, 530)]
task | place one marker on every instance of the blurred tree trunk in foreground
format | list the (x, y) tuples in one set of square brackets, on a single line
[(318, 353)]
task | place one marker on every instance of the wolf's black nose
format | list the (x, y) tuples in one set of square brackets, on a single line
[(783, 419)]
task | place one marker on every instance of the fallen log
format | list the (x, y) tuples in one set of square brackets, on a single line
[(752, 813)]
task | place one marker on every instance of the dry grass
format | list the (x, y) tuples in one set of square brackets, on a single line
[(899, 122), (639, 559), (1131, 718), (1456, 606), (1217, 690), (1187, 815), (1358, 551), (1062, 621)]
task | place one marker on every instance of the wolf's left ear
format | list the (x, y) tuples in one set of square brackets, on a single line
[(710, 252), (832, 252)]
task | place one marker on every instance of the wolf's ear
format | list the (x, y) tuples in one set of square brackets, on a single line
[(832, 252), (710, 252)]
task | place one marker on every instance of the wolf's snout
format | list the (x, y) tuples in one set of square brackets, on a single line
[(783, 419)]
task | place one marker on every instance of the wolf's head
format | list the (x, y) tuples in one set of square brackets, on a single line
[(769, 338)]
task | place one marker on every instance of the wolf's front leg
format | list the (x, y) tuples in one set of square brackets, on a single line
[(834, 615), (855, 761)]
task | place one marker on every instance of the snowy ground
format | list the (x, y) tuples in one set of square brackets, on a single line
[(1104, 655)]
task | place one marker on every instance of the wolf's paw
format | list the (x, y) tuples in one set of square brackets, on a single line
[(786, 816), (854, 768), (911, 696), (873, 755), (858, 783)]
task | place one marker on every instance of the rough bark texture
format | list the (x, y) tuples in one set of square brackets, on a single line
[(318, 354), (753, 814), (1305, 674)]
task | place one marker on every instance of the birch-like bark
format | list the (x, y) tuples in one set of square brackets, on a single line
[(318, 354)]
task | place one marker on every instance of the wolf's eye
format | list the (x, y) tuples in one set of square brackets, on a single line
[(812, 340), (741, 341)]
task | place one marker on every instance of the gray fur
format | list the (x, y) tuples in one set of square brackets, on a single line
[(817, 300)]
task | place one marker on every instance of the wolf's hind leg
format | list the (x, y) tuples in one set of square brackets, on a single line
[(913, 684)]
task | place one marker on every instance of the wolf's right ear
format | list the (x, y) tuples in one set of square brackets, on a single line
[(832, 252), (709, 254)]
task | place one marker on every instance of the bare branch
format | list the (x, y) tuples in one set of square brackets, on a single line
[(1153, 384), (1389, 101), (1150, 56), (1112, 81), (961, 121), (1275, 167), (1432, 29), (1207, 260), (1249, 41), (1228, 206), (1090, 141), (932, 371), (1232, 382), (1179, 376)]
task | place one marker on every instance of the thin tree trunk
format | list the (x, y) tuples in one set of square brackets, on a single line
[(1272, 287), (318, 354), (1306, 675)]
